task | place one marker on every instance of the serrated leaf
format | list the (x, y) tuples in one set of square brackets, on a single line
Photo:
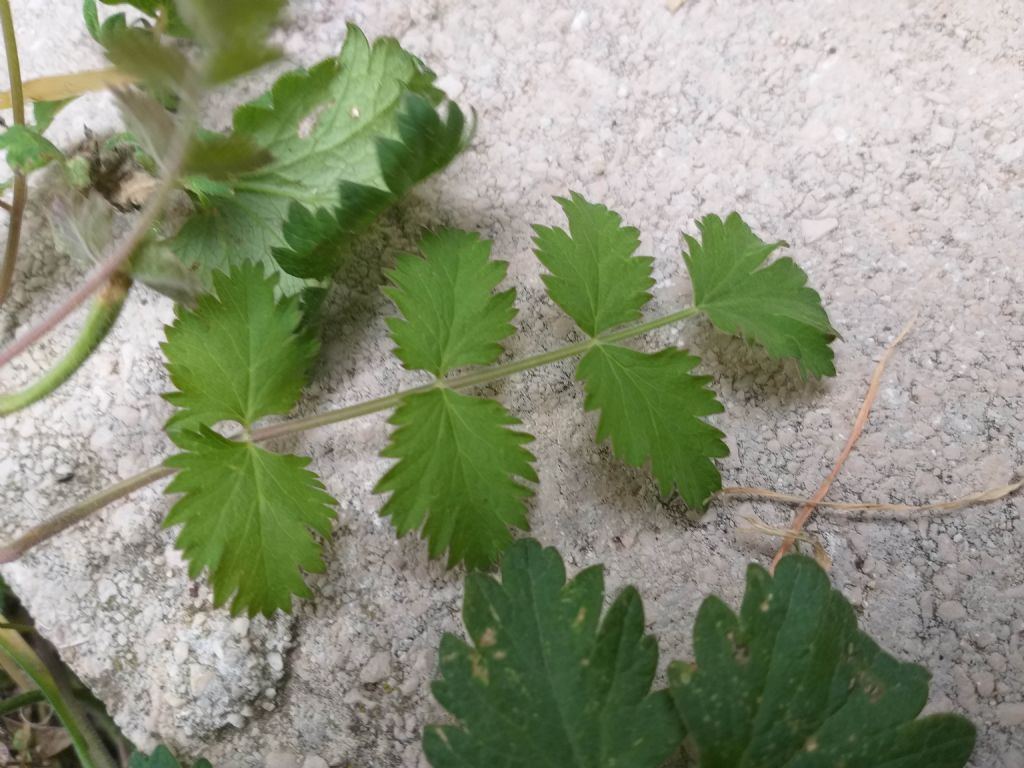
[(594, 275), (141, 54), (792, 682), (161, 757), (545, 682), (449, 317), (247, 515), (156, 267), (458, 475), (426, 144), (233, 33), (236, 229), (44, 112), (91, 16), (221, 158), (239, 354), (344, 135), (206, 189), (354, 101), (771, 305), (652, 409), (27, 149)]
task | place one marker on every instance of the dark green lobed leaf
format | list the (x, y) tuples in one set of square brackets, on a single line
[(161, 758), (426, 143), (544, 681), (369, 129), (792, 683)]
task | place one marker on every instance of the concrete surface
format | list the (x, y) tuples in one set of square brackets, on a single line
[(884, 140)]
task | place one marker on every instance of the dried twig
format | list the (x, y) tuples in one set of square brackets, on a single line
[(954, 505), (804, 513)]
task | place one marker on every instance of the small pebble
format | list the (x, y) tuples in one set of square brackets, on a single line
[(950, 610), (377, 669), (815, 229)]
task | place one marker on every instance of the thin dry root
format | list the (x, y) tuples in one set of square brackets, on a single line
[(982, 497), (805, 512), (756, 525)]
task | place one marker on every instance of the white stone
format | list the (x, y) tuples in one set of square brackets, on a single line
[(1011, 714), (942, 135), (815, 229), (105, 590), (240, 626), (450, 85), (377, 668), (951, 610), (199, 678)]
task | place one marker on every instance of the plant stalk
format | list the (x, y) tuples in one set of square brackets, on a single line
[(87, 744), (102, 315), (466, 380), (83, 509), (79, 512), (14, 703), (20, 197)]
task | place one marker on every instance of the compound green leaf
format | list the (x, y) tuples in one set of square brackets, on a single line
[(770, 305), (248, 516), (545, 682), (594, 275), (450, 317), (792, 683), (348, 137), (651, 408), (239, 355), (458, 475)]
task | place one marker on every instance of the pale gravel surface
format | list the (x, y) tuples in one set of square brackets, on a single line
[(883, 139)]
